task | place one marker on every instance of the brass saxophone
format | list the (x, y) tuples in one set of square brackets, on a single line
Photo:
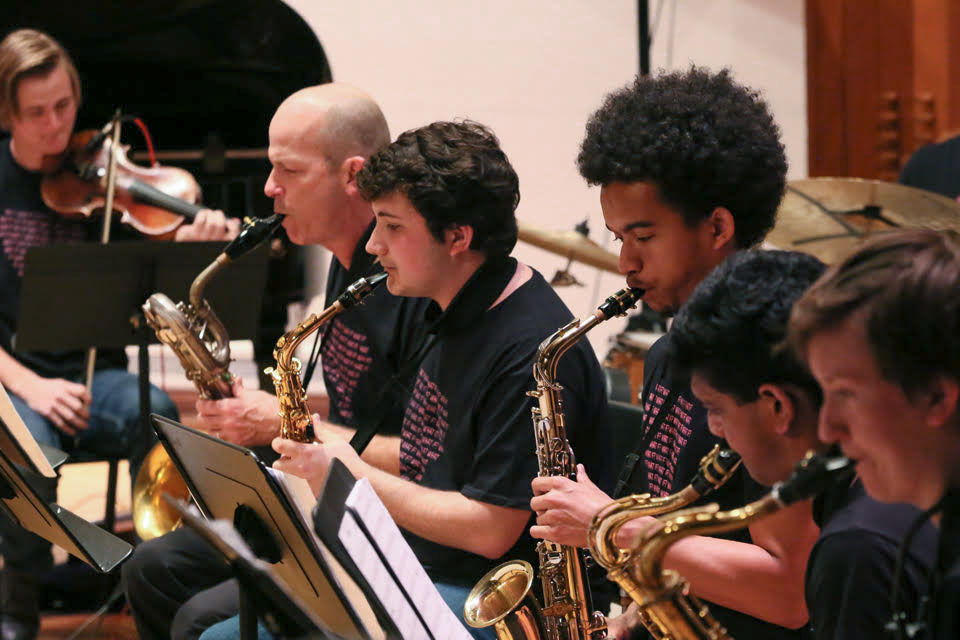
[(192, 330), (503, 598), (667, 609), (295, 421), (715, 469), (201, 343)]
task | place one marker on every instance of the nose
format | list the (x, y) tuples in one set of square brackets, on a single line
[(374, 246), (830, 426), (627, 262), (270, 188)]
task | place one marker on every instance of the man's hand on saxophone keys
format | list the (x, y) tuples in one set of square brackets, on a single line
[(311, 460), (249, 419), (565, 508)]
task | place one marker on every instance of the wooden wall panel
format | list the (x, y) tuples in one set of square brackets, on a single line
[(883, 78)]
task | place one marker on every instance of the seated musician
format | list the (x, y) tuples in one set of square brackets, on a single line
[(320, 137), (730, 336), (691, 170), (880, 334), (39, 98), (456, 480)]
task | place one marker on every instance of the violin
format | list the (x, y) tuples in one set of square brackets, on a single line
[(152, 200)]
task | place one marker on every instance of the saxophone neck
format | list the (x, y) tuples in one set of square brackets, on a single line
[(255, 231), (811, 476), (715, 469), (203, 278), (352, 296)]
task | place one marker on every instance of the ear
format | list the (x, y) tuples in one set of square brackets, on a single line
[(458, 239), (348, 174), (722, 228), (940, 401), (779, 406)]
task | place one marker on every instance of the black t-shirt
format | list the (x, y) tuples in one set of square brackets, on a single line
[(935, 167), (944, 605), (851, 567), (467, 425), (364, 347), (27, 222), (670, 449)]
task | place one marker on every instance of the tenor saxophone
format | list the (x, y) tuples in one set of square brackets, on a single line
[(503, 598), (666, 608), (201, 343), (295, 421)]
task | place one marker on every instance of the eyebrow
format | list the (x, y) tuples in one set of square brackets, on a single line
[(387, 214), (639, 224)]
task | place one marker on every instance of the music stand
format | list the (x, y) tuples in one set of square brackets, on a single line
[(222, 476), (263, 593), (83, 295), (19, 466)]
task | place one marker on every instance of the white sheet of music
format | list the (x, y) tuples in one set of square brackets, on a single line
[(442, 622)]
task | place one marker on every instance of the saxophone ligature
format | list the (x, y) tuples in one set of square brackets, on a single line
[(295, 421), (666, 607), (504, 597), (202, 345)]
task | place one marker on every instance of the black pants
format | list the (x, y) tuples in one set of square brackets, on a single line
[(177, 586)]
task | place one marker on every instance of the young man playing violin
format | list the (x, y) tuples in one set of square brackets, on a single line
[(39, 98)]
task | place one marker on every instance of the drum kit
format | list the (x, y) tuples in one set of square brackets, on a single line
[(825, 217)]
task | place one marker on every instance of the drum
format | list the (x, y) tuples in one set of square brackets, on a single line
[(627, 355)]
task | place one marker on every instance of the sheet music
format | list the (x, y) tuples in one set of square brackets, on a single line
[(364, 505), (300, 494), (19, 431)]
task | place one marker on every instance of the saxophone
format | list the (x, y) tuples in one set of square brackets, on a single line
[(667, 609), (295, 421), (200, 341), (503, 597), (192, 330), (715, 469)]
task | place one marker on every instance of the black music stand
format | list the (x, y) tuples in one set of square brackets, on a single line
[(223, 476), (263, 593), (83, 295), (19, 466)]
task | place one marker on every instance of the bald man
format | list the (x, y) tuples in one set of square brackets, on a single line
[(320, 137)]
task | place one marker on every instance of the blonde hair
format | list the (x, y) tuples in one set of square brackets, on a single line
[(25, 53)]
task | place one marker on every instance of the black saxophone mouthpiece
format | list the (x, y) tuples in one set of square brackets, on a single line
[(619, 303), (254, 232), (813, 475)]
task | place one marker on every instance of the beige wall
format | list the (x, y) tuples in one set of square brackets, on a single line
[(534, 70)]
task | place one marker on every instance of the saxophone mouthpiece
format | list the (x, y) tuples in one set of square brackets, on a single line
[(619, 303), (813, 475), (254, 232)]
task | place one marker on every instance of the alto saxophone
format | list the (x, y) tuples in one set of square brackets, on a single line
[(295, 421), (503, 597), (201, 343), (667, 609)]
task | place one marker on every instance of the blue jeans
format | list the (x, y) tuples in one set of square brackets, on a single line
[(454, 595), (114, 431)]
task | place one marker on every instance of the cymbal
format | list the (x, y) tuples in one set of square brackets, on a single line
[(828, 217), (570, 244)]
